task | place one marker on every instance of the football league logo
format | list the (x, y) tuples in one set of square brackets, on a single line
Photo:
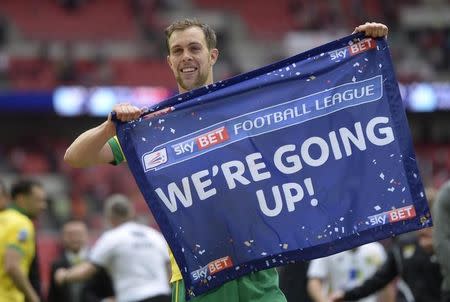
[(155, 159)]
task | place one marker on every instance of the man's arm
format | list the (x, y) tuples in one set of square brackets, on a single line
[(12, 268), (315, 290), (91, 147), (79, 272)]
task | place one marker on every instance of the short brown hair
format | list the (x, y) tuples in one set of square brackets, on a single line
[(119, 206), (210, 34)]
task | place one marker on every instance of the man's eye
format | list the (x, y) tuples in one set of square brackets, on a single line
[(176, 51)]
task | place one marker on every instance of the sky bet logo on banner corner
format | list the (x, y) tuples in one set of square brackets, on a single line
[(392, 216), (353, 49), (284, 163), (212, 268)]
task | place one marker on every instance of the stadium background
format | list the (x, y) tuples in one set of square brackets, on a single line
[(63, 63)]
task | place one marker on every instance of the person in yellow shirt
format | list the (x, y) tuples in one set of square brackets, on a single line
[(192, 53), (17, 241)]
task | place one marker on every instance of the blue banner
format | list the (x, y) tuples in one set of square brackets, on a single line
[(297, 160)]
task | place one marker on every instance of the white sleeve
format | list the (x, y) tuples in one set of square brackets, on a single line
[(318, 268), (162, 245), (102, 251)]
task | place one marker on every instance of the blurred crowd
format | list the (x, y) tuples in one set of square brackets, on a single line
[(75, 42)]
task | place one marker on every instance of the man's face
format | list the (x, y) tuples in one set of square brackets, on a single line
[(36, 201), (74, 236), (190, 59)]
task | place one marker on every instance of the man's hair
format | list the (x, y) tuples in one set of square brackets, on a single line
[(210, 34), (119, 206), (23, 187), (74, 221)]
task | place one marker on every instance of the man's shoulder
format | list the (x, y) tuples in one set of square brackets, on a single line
[(15, 218), (372, 247)]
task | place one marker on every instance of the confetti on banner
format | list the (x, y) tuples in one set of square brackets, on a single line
[(293, 161)]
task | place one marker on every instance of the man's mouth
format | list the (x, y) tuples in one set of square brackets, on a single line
[(188, 69)]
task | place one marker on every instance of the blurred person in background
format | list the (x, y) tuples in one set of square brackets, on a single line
[(18, 243), (192, 53), (441, 219), (133, 254), (4, 196), (411, 258), (346, 270), (75, 250)]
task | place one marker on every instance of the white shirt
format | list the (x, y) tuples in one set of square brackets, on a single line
[(350, 268), (136, 258)]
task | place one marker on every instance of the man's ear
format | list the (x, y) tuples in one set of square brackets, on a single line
[(168, 61), (214, 54)]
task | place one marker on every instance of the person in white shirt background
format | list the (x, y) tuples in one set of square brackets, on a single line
[(133, 254), (347, 270)]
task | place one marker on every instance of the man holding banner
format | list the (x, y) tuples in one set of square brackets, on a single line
[(192, 54)]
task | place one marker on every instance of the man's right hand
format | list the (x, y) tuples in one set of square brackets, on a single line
[(337, 296), (126, 112)]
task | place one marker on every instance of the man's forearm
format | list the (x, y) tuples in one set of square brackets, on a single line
[(80, 272), (23, 284), (315, 290), (86, 150)]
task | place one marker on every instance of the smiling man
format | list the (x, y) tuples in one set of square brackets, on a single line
[(192, 54)]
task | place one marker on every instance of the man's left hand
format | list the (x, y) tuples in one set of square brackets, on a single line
[(372, 29)]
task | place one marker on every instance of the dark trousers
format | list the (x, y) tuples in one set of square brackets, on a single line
[(161, 298)]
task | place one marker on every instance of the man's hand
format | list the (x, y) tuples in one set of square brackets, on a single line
[(337, 296), (372, 29), (126, 112), (60, 276)]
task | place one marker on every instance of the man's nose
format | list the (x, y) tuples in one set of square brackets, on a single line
[(186, 56)]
